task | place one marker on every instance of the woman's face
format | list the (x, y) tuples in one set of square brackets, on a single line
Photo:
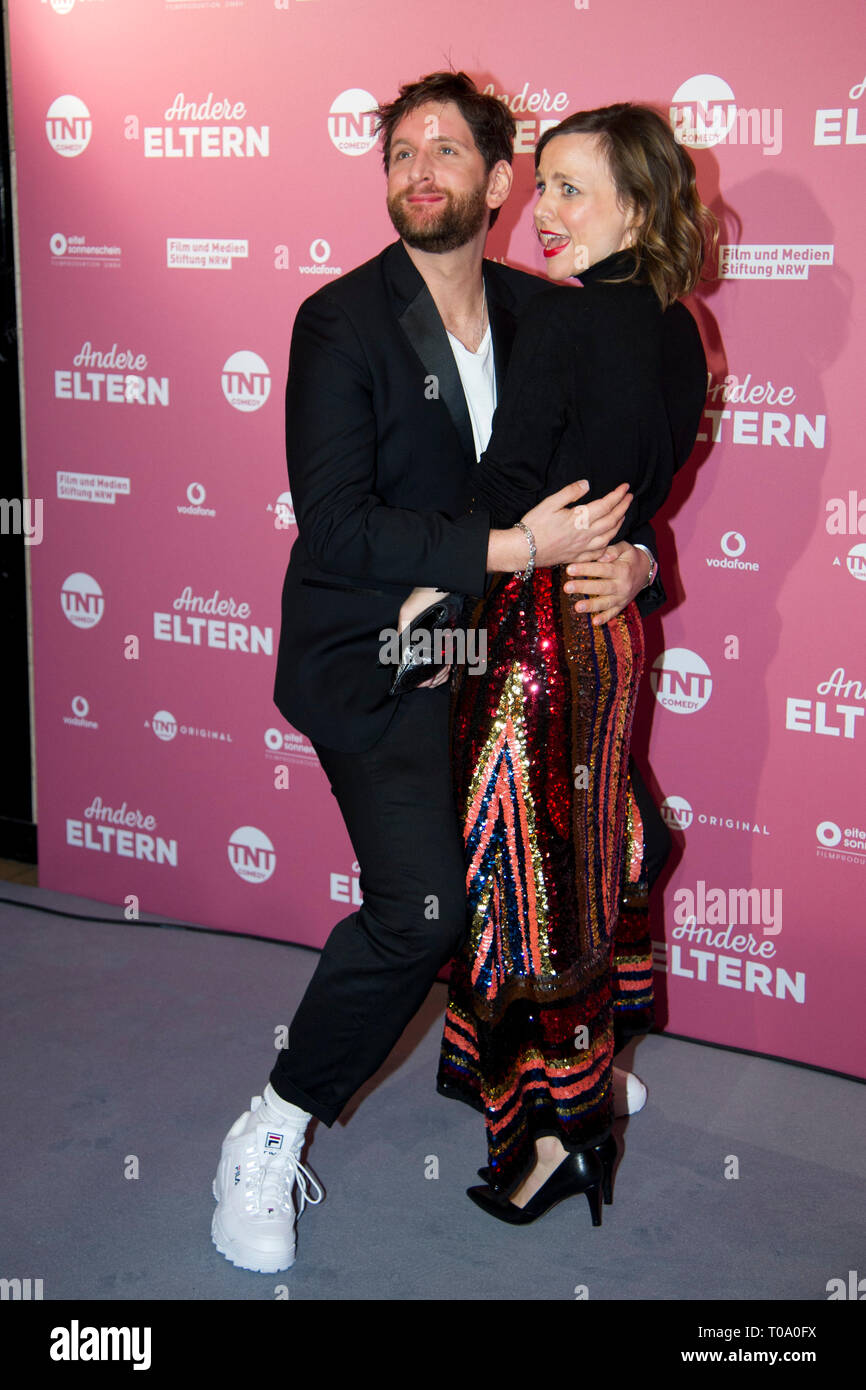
[(576, 216)]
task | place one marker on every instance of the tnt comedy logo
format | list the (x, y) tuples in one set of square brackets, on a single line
[(352, 121), (82, 600), (68, 126), (856, 562), (164, 725), (704, 112), (246, 381), (284, 512), (681, 680), (251, 854), (676, 813)]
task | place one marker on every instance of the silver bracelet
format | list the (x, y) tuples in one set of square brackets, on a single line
[(532, 550)]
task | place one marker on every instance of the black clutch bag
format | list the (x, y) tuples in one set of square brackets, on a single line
[(424, 645)]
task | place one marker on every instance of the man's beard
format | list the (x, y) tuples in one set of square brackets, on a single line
[(462, 217)]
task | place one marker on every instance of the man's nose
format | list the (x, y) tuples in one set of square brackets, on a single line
[(422, 165)]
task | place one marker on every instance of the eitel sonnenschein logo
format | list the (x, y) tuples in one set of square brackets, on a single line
[(681, 680), (82, 600), (68, 126), (246, 381), (352, 121)]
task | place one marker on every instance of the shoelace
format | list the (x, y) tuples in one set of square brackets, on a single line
[(279, 1175)]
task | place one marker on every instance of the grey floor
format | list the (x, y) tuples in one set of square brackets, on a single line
[(126, 1042)]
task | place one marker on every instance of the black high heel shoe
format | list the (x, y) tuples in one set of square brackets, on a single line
[(578, 1172), (607, 1152)]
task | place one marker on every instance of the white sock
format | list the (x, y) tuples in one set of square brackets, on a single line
[(283, 1113)]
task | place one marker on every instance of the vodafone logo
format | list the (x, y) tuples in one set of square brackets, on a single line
[(352, 121), (733, 544), (681, 680), (82, 600), (251, 854), (320, 251), (246, 381), (68, 126)]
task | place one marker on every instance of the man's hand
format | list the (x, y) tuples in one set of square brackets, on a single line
[(611, 583), (418, 600)]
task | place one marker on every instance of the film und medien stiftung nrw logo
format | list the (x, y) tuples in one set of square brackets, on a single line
[(68, 126), (681, 680), (246, 381), (82, 600), (352, 121), (251, 854)]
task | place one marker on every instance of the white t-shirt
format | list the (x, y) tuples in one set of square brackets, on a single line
[(479, 386)]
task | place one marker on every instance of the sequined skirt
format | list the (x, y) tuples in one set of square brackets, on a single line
[(553, 843)]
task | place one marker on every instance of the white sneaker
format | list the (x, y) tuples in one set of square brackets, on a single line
[(629, 1093), (254, 1223)]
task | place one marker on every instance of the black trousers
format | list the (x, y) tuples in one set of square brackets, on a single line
[(378, 963)]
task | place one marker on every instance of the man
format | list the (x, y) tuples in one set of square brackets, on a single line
[(391, 390)]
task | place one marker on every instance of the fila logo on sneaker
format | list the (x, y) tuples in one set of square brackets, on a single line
[(273, 1143), (237, 1173)]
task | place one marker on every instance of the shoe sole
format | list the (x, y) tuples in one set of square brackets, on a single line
[(254, 1261)]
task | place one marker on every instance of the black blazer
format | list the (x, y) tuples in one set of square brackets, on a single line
[(602, 384), (379, 447)]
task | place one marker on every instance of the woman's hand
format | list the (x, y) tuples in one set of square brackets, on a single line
[(610, 583)]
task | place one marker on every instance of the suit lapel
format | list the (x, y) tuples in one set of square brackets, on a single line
[(503, 325), (419, 319)]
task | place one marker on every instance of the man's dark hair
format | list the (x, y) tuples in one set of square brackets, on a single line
[(492, 124)]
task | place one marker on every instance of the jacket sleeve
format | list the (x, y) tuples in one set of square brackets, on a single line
[(331, 441)]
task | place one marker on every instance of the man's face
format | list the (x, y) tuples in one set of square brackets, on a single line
[(437, 183)]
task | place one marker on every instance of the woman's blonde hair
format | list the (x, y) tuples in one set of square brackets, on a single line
[(656, 176)]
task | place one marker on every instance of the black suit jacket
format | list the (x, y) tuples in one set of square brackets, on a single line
[(379, 447)]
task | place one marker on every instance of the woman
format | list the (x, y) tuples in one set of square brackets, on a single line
[(606, 381)]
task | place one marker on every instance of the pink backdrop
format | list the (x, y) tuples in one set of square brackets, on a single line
[(188, 172)]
